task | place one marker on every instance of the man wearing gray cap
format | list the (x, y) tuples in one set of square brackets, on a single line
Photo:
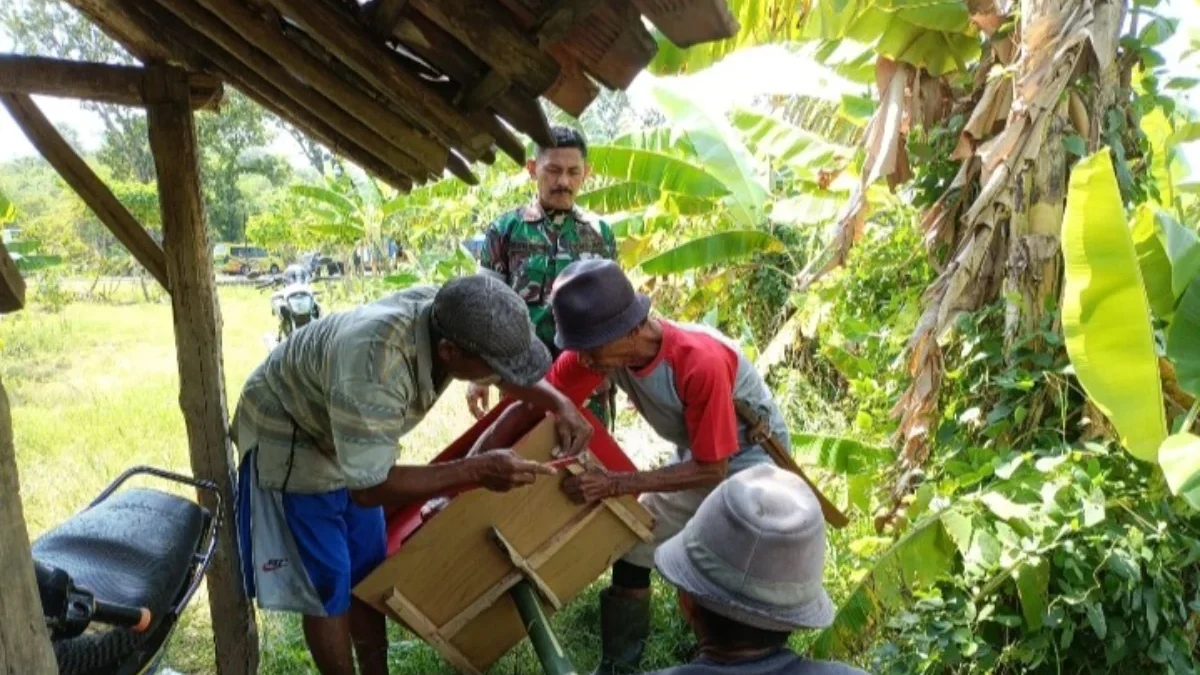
[(748, 571), (318, 428)]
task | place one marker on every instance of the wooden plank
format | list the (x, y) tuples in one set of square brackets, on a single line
[(484, 92), (267, 94), (197, 320), (384, 15), (60, 155), (425, 628), (690, 22), (12, 286), (620, 510), (561, 18), (490, 34), (521, 109), (573, 91), (103, 82), (535, 521), (125, 27), (24, 641), (613, 44), (375, 63), (528, 571), (355, 114)]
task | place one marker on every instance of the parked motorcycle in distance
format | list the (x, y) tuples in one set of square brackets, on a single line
[(295, 305), (114, 578)]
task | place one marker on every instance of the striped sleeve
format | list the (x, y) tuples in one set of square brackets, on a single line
[(367, 420)]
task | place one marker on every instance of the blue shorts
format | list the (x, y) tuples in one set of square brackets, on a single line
[(338, 543)]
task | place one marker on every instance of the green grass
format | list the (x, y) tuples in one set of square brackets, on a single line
[(94, 390)]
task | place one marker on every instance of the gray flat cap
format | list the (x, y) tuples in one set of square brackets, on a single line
[(485, 317)]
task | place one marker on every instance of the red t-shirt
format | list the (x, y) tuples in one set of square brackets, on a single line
[(685, 393)]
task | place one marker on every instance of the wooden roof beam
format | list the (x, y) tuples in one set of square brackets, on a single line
[(491, 34), (384, 15), (267, 94), (87, 184), (561, 18), (375, 63), (123, 26), (103, 82), (12, 286), (355, 114)]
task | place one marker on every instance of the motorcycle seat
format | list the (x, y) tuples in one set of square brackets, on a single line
[(134, 548)]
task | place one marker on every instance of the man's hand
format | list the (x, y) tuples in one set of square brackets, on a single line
[(574, 431), (502, 470), (479, 399), (590, 486)]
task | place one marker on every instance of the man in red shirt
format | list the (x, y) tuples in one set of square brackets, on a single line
[(683, 379)]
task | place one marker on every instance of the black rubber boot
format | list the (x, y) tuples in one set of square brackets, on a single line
[(624, 627)]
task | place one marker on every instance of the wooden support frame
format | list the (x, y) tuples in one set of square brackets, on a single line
[(197, 319), (12, 286), (24, 641), (275, 99), (375, 63), (102, 82), (420, 623), (87, 184), (265, 50)]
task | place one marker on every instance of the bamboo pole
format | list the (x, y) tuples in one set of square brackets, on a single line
[(549, 652)]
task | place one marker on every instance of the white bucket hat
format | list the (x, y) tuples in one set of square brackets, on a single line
[(754, 552)]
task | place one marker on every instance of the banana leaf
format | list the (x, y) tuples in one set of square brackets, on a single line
[(1183, 339), (326, 196), (923, 556), (713, 249), (1153, 262), (1179, 458), (1106, 317), (657, 170), (760, 22)]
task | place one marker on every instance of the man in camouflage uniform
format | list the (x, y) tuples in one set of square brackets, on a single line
[(529, 246), (318, 429)]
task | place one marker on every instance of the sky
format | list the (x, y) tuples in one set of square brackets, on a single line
[(734, 80)]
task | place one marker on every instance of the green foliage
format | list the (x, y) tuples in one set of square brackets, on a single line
[(759, 21), (1183, 339), (1105, 312), (714, 249)]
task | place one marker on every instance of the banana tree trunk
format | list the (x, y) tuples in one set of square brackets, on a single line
[(1033, 275)]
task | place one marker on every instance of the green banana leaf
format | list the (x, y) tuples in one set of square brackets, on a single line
[(718, 149), (657, 139), (1153, 262), (1179, 458), (1106, 317), (923, 556), (760, 22), (932, 34), (838, 453), (657, 170), (326, 196), (803, 151), (713, 249), (622, 196), (1183, 249), (1183, 339), (7, 210)]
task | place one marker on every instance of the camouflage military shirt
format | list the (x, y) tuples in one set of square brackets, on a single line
[(528, 249), (327, 408)]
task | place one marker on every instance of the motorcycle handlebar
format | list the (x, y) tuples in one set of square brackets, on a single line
[(136, 619)]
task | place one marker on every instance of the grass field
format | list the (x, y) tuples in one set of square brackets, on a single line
[(94, 390)]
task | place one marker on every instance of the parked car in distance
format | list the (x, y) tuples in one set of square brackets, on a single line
[(245, 260)]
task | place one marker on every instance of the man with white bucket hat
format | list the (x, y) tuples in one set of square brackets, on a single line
[(748, 571)]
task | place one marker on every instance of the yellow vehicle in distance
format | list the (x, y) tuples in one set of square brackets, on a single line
[(245, 260)]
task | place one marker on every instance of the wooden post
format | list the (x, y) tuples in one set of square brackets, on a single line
[(24, 642), (12, 286), (197, 318)]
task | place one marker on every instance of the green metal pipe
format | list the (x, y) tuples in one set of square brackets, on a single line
[(549, 651)]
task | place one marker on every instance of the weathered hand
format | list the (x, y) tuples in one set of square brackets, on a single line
[(479, 399), (502, 470), (590, 486), (574, 432)]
